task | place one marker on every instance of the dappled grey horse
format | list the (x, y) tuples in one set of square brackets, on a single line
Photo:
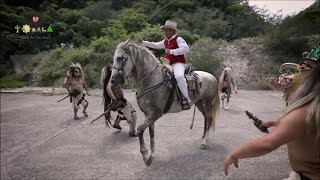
[(153, 92)]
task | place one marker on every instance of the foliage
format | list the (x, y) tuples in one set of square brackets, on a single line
[(116, 30), (133, 20), (280, 41), (77, 55), (96, 27), (203, 56), (11, 82), (70, 16), (49, 76), (100, 11), (92, 74), (149, 33)]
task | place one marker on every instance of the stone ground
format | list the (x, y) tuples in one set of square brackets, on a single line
[(41, 140)]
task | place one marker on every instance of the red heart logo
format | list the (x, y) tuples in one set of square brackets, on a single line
[(35, 19)]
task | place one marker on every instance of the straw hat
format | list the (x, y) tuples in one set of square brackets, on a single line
[(170, 24)]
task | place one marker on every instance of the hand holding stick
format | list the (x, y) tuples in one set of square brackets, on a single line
[(257, 122)]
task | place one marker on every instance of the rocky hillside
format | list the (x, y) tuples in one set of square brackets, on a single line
[(251, 62)]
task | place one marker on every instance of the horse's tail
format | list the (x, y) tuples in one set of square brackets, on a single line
[(215, 111)]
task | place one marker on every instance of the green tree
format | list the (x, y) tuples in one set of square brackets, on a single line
[(203, 56), (115, 30), (133, 20)]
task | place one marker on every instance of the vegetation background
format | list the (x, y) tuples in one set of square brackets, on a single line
[(214, 29)]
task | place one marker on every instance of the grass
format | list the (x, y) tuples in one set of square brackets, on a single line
[(10, 82)]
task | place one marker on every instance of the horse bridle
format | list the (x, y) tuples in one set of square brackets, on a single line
[(123, 63)]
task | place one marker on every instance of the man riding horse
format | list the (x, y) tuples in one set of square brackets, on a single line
[(175, 50)]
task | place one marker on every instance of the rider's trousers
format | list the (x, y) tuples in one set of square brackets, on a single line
[(178, 69)]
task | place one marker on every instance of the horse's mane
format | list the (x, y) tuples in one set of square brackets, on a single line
[(145, 52), (229, 76)]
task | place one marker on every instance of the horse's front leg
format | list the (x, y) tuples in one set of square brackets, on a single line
[(151, 132), (147, 158)]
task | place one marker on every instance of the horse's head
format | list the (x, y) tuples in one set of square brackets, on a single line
[(122, 63)]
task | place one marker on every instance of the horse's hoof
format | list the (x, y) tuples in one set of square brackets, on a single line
[(148, 161), (132, 134), (203, 146), (117, 126)]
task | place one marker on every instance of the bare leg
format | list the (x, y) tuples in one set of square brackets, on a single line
[(85, 105), (228, 99), (75, 111), (222, 99)]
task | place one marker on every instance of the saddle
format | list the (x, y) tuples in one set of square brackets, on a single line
[(192, 78)]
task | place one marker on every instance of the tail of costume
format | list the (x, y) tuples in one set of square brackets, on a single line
[(104, 80)]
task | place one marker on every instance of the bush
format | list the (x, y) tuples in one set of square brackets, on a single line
[(10, 82), (5, 69), (57, 53), (70, 16), (103, 44), (149, 33), (77, 55), (26, 76), (49, 76), (115, 31), (203, 56), (92, 75), (280, 40), (189, 37)]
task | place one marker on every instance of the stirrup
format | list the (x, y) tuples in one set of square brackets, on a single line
[(185, 105)]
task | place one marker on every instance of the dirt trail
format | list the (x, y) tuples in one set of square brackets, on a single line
[(41, 140)]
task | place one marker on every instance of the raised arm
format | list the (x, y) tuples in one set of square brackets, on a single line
[(154, 45)]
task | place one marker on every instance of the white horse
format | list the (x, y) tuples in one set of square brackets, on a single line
[(153, 91)]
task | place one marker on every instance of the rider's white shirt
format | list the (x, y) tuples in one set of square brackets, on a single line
[(183, 46)]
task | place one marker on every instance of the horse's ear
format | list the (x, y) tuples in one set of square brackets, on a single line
[(126, 42)]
